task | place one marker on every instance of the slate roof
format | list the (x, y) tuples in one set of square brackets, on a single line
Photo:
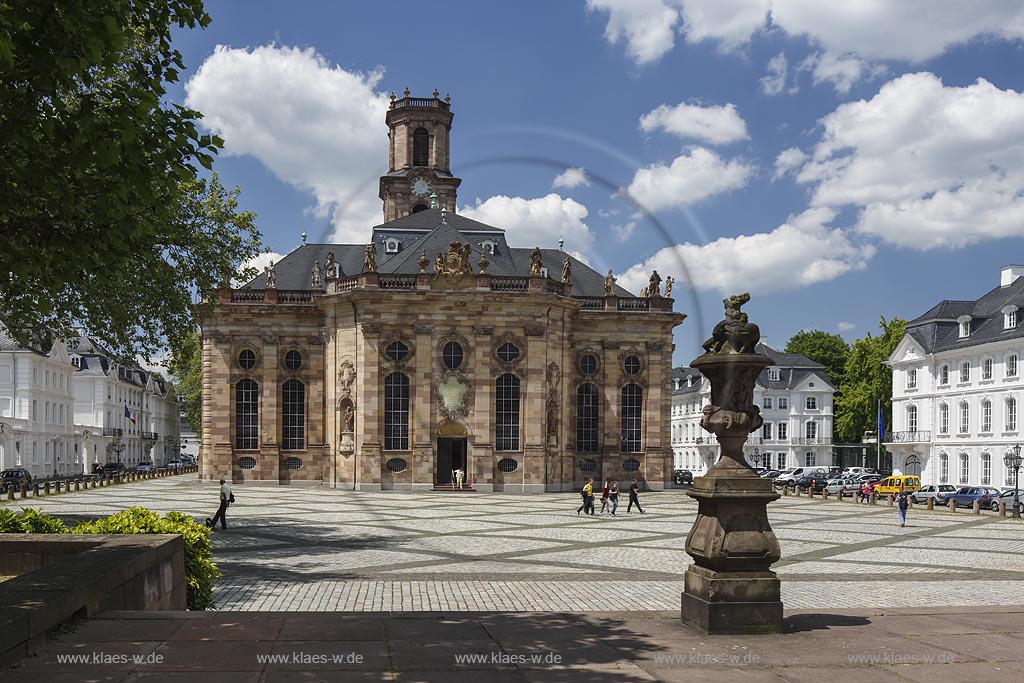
[(682, 374), (38, 343), (793, 369), (425, 231), (937, 330)]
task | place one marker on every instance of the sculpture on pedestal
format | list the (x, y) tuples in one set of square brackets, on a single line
[(730, 587)]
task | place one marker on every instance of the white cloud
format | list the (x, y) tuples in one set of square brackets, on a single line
[(801, 252), (714, 125), (841, 71), (845, 327), (928, 165), (789, 160), (538, 222), (570, 178), (911, 30), (259, 262), (646, 26), (774, 82), (690, 178), (314, 125), (625, 231)]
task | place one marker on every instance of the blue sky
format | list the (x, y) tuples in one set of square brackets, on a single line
[(840, 163)]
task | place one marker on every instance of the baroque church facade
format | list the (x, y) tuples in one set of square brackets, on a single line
[(436, 347)]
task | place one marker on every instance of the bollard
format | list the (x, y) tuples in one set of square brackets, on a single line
[(889, 499), (824, 494), (931, 502), (56, 486), (24, 490), (35, 491), (976, 507), (78, 484), (46, 489), (1002, 508), (952, 505), (92, 484), (10, 492), (797, 490)]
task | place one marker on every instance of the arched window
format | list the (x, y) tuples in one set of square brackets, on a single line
[(420, 147), (247, 415), (986, 468), (506, 413), (965, 467), (944, 374), (965, 418), (396, 412), (1011, 365), (420, 207), (943, 468), (587, 411), (1011, 414), (911, 379), (811, 431), (986, 368), (632, 410), (912, 465), (965, 371), (986, 416), (911, 418), (944, 418), (293, 415)]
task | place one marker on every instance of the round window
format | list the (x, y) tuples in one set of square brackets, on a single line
[(508, 352), (631, 465), (397, 351), (588, 364), (293, 360), (451, 354), (632, 365), (587, 464), (507, 465), (292, 463), (396, 465), (247, 359), (247, 463)]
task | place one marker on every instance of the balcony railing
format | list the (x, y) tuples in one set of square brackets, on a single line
[(150, 436), (113, 431), (509, 284), (908, 437), (398, 282), (811, 440)]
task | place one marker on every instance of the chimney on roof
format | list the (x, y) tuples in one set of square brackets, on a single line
[(1008, 274)]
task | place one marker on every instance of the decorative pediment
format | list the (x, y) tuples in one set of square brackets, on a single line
[(452, 395)]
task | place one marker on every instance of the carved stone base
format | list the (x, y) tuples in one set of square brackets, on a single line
[(731, 602)]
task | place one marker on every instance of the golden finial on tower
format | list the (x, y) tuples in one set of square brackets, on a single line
[(424, 262), (447, 99), (407, 91), (436, 94)]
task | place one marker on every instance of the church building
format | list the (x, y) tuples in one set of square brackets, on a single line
[(435, 348)]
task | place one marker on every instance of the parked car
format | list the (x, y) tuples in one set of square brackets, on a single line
[(841, 486), (789, 477), (16, 477), (1007, 497), (112, 468), (173, 464), (936, 491), (894, 485), (144, 466), (966, 495), (770, 474), (187, 459), (858, 471), (760, 470), (683, 477)]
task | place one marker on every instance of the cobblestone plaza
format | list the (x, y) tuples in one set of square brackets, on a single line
[(291, 548)]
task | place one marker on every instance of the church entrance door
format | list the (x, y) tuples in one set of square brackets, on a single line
[(451, 455)]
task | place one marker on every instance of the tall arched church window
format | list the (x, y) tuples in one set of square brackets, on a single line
[(506, 413), (632, 411), (587, 414), (247, 415), (396, 412), (293, 415), (420, 147)]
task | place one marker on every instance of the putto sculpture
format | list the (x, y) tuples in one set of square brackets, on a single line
[(734, 334)]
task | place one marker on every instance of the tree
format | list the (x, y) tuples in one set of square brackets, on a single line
[(867, 379), (186, 368), (830, 350), (104, 220)]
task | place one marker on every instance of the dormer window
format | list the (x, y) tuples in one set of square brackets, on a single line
[(965, 326), (543, 271), (774, 374), (76, 361), (1009, 317), (487, 246), (391, 245)]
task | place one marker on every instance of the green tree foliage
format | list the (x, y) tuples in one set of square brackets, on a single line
[(830, 350), (104, 221), (186, 368), (867, 379)]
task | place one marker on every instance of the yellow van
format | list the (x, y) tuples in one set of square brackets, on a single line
[(893, 485)]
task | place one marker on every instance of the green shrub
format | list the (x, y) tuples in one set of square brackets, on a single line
[(200, 571), (30, 522)]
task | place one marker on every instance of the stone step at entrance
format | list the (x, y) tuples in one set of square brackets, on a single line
[(451, 487)]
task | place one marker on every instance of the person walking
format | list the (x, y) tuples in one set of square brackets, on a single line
[(604, 495), (226, 498), (634, 498), (613, 496), (903, 502), (865, 493), (460, 475), (588, 498)]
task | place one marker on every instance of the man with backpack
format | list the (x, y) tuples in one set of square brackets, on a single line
[(226, 498), (634, 497), (902, 503)]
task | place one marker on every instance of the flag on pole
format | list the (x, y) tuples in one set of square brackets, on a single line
[(880, 423), (128, 413)]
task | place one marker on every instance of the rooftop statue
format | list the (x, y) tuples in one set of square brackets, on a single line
[(734, 334)]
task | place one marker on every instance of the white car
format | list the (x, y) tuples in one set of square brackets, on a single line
[(173, 464), (936, 491), (841, 487), (144, 466)]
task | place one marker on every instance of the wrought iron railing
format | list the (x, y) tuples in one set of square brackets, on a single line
[(811, 440), (150, 436), (908, 437), (113, 431)]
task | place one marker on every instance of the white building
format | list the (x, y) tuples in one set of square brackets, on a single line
[(956, 388), (37, 428), (105, 391), (795, 397)]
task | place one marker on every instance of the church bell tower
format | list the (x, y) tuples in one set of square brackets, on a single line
[(419, 155)]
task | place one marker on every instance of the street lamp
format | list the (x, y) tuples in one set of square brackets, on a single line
[(1012, 460), (118, 448), (757, 457)]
